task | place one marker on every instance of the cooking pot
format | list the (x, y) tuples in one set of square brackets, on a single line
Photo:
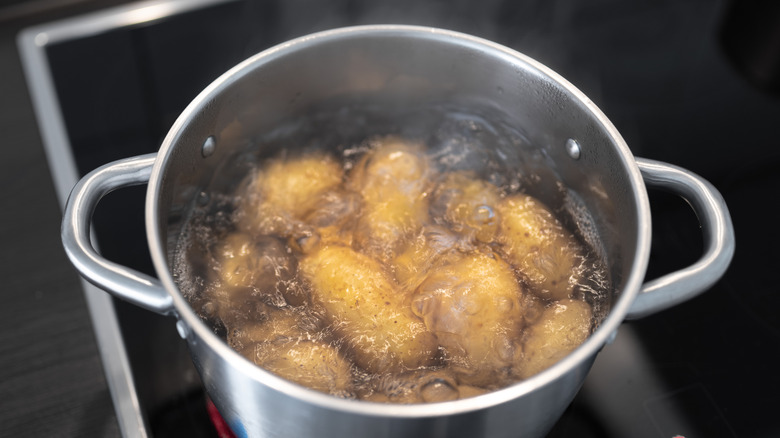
[(353, 74)]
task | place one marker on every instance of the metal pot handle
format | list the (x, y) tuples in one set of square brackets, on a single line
[(125, 283), (708, 204)]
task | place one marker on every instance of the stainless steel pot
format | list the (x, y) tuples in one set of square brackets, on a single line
[(396, 67)]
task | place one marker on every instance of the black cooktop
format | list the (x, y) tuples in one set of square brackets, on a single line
[(675, 78)]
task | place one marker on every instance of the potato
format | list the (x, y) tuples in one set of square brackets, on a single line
[(473, 306), (331, 221), (251, 269), (418, 386), (393, 167), (285, 190), (366, 309), (283, 346), (284, 324), (385, 225), (536, 243), (468, 204), (316, 365), (416, 258), (561, 328), (392, 180)]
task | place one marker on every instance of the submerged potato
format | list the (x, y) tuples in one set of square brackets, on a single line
[(330, 221), (394, 166), (415, 259), (418, 386), (285, 190), (473, 306), (384, 225), (367, 311), (277, 325), (560, 329), (257, 269), (539, 246), (284, 345), (392, 180), (313, 364), (468, 204)]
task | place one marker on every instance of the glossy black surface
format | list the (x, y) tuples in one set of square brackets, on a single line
[(706, 368)]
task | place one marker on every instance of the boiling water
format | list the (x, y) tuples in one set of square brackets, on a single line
[(250, 283)]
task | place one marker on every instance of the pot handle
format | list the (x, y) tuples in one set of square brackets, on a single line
[(122, 282), (709, 206)]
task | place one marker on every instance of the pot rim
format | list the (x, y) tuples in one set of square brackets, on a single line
[(588, 349)]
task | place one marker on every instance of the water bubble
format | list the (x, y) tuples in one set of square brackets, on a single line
[(439, 390)]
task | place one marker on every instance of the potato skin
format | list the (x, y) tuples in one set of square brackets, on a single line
[(331, 221), (367, 311), (415, 259), (255, 268), (313, 364), (283, 345), (561, 328), (474, 308), (537, 244), (392, 180), (393, 166), (468, 204), (281, 193)]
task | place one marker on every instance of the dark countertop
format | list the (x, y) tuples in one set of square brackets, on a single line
[(707, 120), (51, 377)]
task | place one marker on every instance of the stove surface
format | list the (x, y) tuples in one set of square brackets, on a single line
[(109, 85)]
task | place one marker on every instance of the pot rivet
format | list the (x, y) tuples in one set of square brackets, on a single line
[(611, 337), (182, 329), (209, 146), (573, 148)]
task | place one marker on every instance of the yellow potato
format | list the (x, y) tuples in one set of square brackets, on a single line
[(561, 328), (393, 166), (285, 190), (283, 346), (316, 365), (278, 325), (367, 311), (468, 204), (385, 225), (251, 269), (536, 243), (331, 221), (473, 306), (418, 386), (392, 180), (416, 258), (438, 387)]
